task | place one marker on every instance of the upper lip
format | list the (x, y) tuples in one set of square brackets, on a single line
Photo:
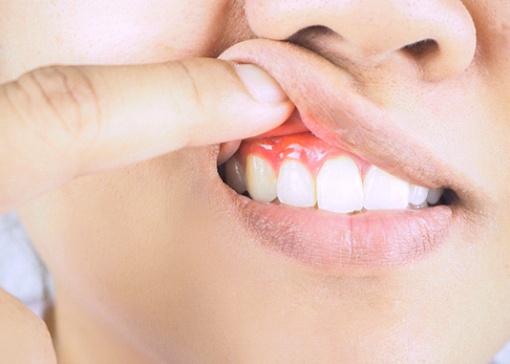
[(332, 109)]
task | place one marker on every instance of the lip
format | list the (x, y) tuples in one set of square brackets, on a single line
[(293, 125), (342, 117), (341, 244)]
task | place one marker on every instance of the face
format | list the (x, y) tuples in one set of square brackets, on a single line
[(163, 260)]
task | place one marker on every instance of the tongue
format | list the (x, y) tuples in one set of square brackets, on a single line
[(304, 147)]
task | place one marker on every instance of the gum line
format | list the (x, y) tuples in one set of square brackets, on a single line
[(304, 147)]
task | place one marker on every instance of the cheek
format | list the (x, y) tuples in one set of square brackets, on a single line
[(500, 33), (493, 30), (504, 36), (112, 32), (140, 245), (116, 231), (164, 29)]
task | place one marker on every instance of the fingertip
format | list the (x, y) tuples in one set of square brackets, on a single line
[(260, 84), (227, 150)]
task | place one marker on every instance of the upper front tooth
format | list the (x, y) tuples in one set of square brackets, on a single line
[(417, 195), (296, 187), (260, 179), (384, 192), (339, 186)]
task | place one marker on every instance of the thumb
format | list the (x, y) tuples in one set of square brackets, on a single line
[(60, 122)]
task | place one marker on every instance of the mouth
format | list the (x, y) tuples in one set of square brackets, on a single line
[(328, 208), (291, 166), (338, 187)]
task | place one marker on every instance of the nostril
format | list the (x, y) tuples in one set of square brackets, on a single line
[(311, 33), (421, 48)]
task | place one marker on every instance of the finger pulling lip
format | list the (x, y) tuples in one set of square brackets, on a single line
[(293, 125), (328, 105)]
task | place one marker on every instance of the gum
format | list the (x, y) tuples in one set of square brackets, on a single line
[(304, 147)]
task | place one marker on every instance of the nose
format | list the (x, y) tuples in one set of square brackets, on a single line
[(437, 36)]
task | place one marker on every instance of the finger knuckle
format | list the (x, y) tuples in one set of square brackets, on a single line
[(192, 85), (62, 99)]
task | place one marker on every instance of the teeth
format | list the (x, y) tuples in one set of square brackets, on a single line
[(296, 187), (417, 195), (385, 192), (434, 195), (260, 179), (339, 186), (234, 173)]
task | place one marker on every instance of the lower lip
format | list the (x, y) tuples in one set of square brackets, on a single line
[(343, 244)]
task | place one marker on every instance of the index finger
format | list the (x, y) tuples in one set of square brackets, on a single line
[(60, 122)]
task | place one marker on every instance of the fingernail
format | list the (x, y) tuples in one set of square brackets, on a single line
[(260, 84)]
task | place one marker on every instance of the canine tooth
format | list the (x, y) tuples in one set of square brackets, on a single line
[(417, 195), (383, 191), (339, 186), (296, 187), (234, 173), (260, 179), (434, 195)]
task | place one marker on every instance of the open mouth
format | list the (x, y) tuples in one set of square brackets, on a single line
[(328, 207), (301, 170), (340, 186)]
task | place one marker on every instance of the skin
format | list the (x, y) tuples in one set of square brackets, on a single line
[(150, 268)]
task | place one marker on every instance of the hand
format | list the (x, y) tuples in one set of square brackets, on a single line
[(24, 338), (61, 122)]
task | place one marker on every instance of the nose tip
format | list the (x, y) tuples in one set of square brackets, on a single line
[(439, 36)]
